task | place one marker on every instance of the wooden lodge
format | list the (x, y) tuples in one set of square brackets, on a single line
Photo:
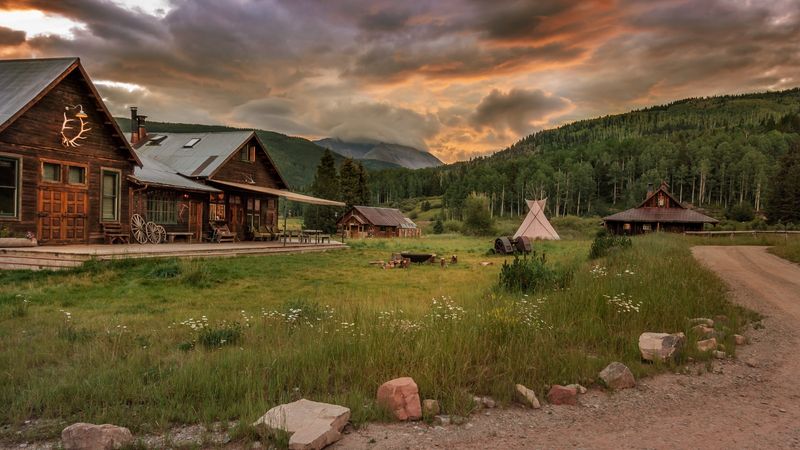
[(68, 174), (64, 163), (367, 222), (660, 211)]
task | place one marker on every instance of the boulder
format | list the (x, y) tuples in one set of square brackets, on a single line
[(702, 330), (312, 425), (430, 408), (526, 396), (738, 339), (707, 345), (562, 395), (661, 346), (618, 376), (401, 397), (87, 436)]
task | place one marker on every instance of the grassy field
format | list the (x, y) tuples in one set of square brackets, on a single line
[(148, 344), (788, 249)]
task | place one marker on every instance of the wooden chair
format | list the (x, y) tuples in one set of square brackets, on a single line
[(221, 233), (262, 233), (113, 233)]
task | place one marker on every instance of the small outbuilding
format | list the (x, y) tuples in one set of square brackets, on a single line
[(368, 221), (660, 211)]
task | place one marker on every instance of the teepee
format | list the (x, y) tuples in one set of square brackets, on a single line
[(536, 225)]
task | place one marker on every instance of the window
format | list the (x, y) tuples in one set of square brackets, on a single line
[(9, 182), (162, 208), (76, 175), (191, 143), (248, 153), (110, 200), (216, 207), (51, 172)]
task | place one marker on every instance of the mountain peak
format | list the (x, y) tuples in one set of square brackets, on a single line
[(398, 154)]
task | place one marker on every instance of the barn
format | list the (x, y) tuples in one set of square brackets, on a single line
[(64, 162), (660, 211), (369, 221)]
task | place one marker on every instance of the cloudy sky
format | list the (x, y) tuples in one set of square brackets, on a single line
[(459, 78)]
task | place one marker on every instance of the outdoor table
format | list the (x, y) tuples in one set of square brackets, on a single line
[(314, 233)]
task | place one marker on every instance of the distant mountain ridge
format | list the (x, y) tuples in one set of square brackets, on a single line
[(395, 154)]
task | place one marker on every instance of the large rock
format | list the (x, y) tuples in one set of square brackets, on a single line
[(618, 376), (87, 436), (312, 425), (401, 397), (562, 395), (526, 396), (707, 345), (430, 408), (661, 346)]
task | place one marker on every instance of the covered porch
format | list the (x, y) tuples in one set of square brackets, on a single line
[(67, 256)]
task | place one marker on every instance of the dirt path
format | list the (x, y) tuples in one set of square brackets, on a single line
[(750, 402)]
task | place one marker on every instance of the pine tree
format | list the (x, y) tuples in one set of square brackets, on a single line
[(325, 185), (348, 180), (784, 199), (438, 226)]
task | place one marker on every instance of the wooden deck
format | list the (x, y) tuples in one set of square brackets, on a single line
[(66, 256)]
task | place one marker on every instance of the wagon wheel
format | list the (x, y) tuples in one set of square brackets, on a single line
[(152, 233), (138, 229), (162, 234)]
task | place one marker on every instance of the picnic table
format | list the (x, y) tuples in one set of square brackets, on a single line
[(319, 236)]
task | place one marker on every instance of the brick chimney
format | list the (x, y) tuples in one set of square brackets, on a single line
[(138, 130)]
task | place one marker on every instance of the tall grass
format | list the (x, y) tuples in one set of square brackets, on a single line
[(332, 328)]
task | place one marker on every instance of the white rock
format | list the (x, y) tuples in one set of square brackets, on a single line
[(87, 436), (707, 345), (313, 425), (661, 346), (527, 397)]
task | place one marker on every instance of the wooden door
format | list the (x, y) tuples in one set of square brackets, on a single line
[(196, 219), (236, 214), (62, 215)]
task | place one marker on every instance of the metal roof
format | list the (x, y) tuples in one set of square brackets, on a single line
[(201, 159), (22, 80), (383, 217), (154, 173), (663, 215)]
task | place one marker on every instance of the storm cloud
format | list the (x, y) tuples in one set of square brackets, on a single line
[(457, 77)]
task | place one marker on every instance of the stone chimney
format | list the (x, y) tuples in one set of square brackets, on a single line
[(649, 189), (138, 130)]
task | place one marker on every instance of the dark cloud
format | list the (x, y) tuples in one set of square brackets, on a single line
[(516, 110), (413, 72), (9, 37)]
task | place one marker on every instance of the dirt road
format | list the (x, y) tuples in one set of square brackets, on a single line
[(750, 402)]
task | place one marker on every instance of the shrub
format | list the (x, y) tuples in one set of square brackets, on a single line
[(438, 226), (604, 242), (425, 206), (740, 213), (453, 226), (478, 220), (413, 215), (528, 274)]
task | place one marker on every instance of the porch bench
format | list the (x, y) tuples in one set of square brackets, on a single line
[(112, 233), (180, 234)]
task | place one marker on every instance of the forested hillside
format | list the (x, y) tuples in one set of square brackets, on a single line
[(714, 152)]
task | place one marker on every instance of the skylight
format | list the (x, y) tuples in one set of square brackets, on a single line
[(156, 140), (191, 143)]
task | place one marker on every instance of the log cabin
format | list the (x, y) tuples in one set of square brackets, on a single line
[(368, 221), (228, 177), (64, 162), (660, 211)]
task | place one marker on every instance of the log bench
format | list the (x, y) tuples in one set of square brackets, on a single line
[(112, 232), (180, 234)]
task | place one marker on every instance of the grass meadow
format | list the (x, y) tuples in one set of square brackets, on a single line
[(152, 343)]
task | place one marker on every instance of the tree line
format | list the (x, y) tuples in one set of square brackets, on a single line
[(715, 153), (348, 185)]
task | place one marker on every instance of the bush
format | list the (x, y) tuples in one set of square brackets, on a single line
[(740, 213), (453, 226), (528, 274), (604, 242), (223, 334), (438, 226), (413, 215), (478, 220), (425, 206)]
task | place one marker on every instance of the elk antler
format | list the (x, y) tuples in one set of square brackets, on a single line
[(73, 142)]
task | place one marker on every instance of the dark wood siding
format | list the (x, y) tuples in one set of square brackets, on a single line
[(261, 171), (36, 135)]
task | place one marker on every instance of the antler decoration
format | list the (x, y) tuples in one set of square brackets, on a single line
[(80, 115)]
